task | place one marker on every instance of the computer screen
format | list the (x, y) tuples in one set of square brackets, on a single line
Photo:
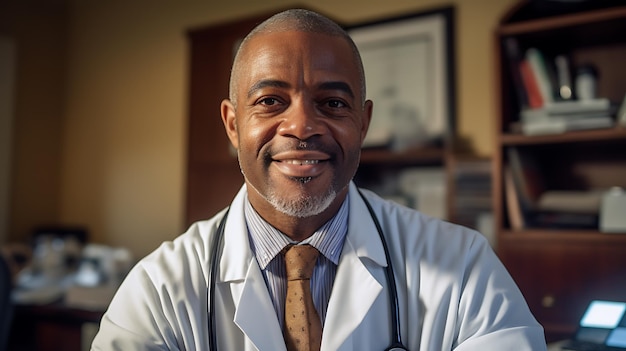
[(604, 323)]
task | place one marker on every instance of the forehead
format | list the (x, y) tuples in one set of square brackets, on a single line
[(309, 58)]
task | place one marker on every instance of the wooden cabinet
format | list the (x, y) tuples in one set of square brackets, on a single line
[(53, 326), (561, 267)]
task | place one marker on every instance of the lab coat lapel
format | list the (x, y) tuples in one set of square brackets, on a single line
[(356, 286), (254, 312)]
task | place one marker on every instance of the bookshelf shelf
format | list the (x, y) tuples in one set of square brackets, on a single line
[(415, 156), (616, 133), (566, 266), (541, 235), (598, 17)]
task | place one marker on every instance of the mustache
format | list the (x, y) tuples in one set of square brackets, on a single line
[(300, 145)]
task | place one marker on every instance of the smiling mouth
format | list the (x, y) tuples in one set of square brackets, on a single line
[(301, 168)]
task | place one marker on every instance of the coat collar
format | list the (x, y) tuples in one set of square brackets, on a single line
[(237, 253)]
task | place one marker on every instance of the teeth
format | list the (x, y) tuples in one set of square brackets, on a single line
[(302, 162)]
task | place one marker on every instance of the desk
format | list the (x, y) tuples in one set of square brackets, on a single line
[(57, 327), (53, 327), (556, 346)]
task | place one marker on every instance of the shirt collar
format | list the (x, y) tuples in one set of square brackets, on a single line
[(267, 242)]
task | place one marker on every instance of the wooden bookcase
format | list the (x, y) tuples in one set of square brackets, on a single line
[(560, 269), (213, 177)]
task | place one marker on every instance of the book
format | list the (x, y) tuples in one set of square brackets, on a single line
[(514, 57), (564, 77), (472, 188), (621, 113), (540, 71), (561, 220), (562, 116), (535, 99), (571, 201), (558, 125), (514, 211), (600, 106), (540, 115), (527, 177)]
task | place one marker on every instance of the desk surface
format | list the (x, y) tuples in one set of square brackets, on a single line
[(58, 311), (556, 346)]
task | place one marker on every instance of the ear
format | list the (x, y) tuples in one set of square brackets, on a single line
[(367, 118), (230, 122)]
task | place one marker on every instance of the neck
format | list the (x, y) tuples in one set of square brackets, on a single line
[(296, 228)]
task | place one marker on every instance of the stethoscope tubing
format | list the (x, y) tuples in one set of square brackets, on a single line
[(391, 284), (215, 249)]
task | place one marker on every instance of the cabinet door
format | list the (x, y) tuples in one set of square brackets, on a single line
[(559, 280)]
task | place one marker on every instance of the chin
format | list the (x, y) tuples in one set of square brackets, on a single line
[(306, 203)]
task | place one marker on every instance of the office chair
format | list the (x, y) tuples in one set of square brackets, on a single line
[(6, 306)]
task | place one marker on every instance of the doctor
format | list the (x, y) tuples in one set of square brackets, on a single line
[(297, 115)]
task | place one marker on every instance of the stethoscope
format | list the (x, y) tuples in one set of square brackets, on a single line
[(396, 344)]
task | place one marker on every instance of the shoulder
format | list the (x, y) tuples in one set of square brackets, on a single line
[(407, 224), (164, 293), (188, 252), (432, 244)]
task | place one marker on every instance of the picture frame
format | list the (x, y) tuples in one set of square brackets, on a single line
[(410, 77)]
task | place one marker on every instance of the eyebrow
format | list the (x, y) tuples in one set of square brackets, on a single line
[(337, 85), (273, 83)]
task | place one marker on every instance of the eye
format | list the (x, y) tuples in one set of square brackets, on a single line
[(270, 104), (268, 101), (335, 104)]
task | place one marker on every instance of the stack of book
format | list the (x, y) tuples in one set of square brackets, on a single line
[(545, 94), (530, 204), (471, 205), (472, 195), (562, 116)]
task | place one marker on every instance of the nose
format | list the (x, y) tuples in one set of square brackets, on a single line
[(302, 121)]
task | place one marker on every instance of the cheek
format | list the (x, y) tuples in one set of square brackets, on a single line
[(348, 135), (253, 137)]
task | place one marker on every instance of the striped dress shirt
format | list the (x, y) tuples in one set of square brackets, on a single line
[(267, 242)]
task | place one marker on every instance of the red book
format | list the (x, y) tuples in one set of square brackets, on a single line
[(531, 85)]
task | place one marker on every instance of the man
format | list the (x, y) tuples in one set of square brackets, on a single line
[(297, 115)]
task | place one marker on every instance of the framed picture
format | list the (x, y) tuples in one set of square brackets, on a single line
[(409, 72)]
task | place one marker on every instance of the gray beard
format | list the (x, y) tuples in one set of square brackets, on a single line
[(303, 207)]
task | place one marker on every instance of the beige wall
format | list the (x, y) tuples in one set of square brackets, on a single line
[(38, 36), (123, 145)]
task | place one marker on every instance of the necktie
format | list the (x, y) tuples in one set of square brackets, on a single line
[(303, 329)]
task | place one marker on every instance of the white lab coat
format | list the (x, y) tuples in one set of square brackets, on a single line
[(454, 293)]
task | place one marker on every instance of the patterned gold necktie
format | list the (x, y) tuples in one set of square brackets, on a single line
[(303, 329)]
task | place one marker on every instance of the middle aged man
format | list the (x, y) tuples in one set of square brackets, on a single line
[(297, 115)]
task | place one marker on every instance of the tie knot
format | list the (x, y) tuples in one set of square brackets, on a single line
[(300, 261)]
